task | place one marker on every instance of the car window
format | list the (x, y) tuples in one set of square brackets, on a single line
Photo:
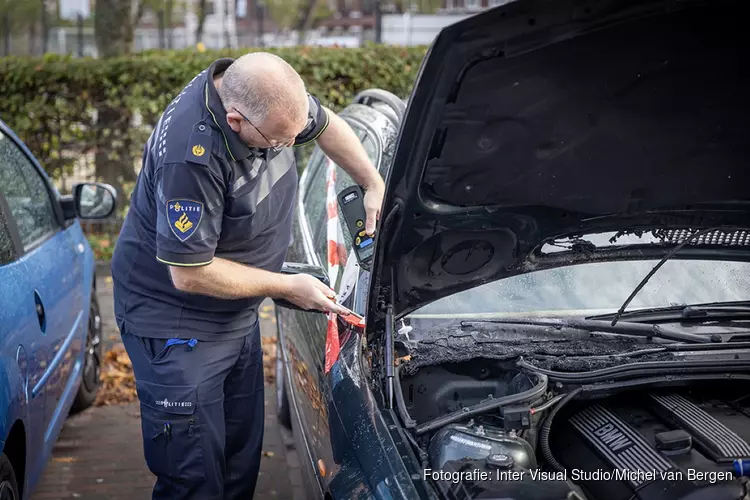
[(315, 195), (315, 192), (344, 180), (26, 193), (6, 243)]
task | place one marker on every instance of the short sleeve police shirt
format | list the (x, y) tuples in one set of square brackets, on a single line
[(203, 193)]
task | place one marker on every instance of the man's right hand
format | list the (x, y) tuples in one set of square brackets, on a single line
[(310, 293)]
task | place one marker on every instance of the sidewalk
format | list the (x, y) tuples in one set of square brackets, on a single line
[(99, 455)]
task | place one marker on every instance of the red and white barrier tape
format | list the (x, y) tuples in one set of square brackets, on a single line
[(337, 257), (332, 333)]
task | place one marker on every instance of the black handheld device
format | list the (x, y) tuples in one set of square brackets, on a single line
[(352, 203)]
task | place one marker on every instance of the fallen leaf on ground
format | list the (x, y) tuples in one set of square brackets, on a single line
[(268, 453), (268, 345), (117, 379), (65, 460)]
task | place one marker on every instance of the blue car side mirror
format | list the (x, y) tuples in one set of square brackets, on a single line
[(90, 200), (94, 200)]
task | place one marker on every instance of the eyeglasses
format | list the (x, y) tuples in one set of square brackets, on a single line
[(274, 147)]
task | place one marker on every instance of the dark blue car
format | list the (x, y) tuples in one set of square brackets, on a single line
[(49, 316), (557, 305)]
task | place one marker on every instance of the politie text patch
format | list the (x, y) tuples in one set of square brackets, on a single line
[(184, 217)]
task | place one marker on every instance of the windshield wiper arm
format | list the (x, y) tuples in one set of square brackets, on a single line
[(692, 312), (592, 325), (711, 312), (664, 259)]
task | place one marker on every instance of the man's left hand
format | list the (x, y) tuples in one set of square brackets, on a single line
[(373, 201)]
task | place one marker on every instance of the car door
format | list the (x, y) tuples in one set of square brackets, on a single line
[(305, 343), (46, 303)]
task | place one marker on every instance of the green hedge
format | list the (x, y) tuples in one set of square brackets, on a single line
[(53, 102)]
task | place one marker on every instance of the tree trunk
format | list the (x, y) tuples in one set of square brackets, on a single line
[(201, 21), (32, 39), (227, 20), (114, 27), (169, 21), (6, 34), (304, 20), (44, 27)]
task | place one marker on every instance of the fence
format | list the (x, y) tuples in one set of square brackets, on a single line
[(82, 42), (397, 29)]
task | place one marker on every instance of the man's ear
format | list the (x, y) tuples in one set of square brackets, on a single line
[(234, 120)]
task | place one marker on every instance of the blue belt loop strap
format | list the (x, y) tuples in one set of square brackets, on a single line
[(190, 343)]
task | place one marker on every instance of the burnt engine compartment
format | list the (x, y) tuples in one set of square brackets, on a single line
[(683, 442)]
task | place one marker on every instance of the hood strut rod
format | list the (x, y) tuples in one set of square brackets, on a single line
[(389, 360), (387, 227)]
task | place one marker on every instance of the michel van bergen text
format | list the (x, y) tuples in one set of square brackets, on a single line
[(577, 475)]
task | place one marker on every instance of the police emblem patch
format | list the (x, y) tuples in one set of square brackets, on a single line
[(184, 217)]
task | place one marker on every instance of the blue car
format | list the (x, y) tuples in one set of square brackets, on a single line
[(49, 316)]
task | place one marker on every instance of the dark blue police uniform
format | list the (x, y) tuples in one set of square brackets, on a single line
[(202, 193)]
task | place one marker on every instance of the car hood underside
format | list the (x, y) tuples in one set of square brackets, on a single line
[(545, 119)]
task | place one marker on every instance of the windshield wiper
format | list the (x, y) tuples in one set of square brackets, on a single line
[(592, 325), (700, 312), (664, 259)]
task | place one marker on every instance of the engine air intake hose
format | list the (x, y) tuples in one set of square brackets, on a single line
[(547, 426), (487, 405)]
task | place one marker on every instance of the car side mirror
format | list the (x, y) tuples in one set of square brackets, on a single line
[(90, 200), (297, 268), (94, 200)]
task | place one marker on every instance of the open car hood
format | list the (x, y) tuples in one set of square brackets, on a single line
[(539, 120)]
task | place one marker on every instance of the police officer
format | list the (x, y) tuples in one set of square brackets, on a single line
[(202, 245)]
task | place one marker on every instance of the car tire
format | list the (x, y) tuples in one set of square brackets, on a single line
[(91, 360), (8, 482), (283, 411)]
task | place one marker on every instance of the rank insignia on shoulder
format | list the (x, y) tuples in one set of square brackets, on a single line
[(199, 148), (184, 217)]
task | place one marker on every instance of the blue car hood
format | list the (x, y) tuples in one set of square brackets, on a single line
[(539, 120)]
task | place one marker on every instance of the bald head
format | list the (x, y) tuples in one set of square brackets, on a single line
[(260, 85)]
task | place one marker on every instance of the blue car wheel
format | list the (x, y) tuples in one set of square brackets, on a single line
[(8, 483), (91, 361)]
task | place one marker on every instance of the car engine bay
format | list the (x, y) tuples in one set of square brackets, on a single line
[(485, 428)]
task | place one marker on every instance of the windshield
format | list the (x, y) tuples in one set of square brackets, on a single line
[(600, 287)]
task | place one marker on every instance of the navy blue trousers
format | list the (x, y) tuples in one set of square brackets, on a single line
[(201, 414)]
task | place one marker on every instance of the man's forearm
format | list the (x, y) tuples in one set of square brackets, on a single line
[(225, 279), (341, 144)]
